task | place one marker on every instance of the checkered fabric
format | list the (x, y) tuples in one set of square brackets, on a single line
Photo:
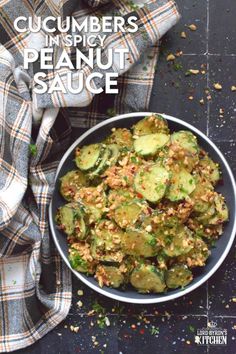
[(35, 285)]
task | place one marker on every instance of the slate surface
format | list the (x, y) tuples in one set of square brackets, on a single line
[(212, 48)]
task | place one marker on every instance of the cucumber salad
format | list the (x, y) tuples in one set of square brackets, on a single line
[(141, 208)]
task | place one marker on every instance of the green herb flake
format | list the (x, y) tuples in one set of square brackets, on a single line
[(99, 309), (168, 240), (191, 328), (33, 149), (177, 66), (101, 322), (76, 261), (133, 159), (159, 188), (132, 5), (213, 244), (111, 112), (152, 242), (154, 330), (126, 179), (188, 73)]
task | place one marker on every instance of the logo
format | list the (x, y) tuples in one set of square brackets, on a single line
[(212, 335)]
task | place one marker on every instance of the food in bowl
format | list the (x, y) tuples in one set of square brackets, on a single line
[(142, 207)]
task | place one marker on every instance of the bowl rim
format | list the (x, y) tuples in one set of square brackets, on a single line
[(170, 296)]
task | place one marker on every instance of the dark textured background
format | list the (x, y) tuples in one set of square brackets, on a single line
[(214, 45)]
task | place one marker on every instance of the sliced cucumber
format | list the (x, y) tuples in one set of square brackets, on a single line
[(126, 215), (186, 140), (149, 125), (209, 169), (70, 219), (80, 258), (109, 276), (202, 188), (94, 201), (197, 256), (147, 279), (149, 144), (71, 182), (182, 184), (88, 156), (115, 153), (106, 242), (122, 137), (151, 182), (205, 217), (65, 219), (119, 196), (222, 212), (139, 243), (181, 242), (103, 164), (178, 275)]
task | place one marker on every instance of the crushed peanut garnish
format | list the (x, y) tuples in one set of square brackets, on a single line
[(170, 57), (192, 27), (218, 86)]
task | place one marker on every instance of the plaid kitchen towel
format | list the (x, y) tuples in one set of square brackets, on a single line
[(35, 285)]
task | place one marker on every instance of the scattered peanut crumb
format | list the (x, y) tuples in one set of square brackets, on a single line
[(148, 228), (218, 86), (190, 98), (233, 88), (194, 71), (170, 57), (221, 110), (94, 340), (234, 299), (192, 27), (203, 72), (74, 329), (91, 312), (167, 313), (179, 53), (188, 342), (183, 35), (79, 303), (107, 321), (145, 320), (201, 101), (208, 97), (80, 292)]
